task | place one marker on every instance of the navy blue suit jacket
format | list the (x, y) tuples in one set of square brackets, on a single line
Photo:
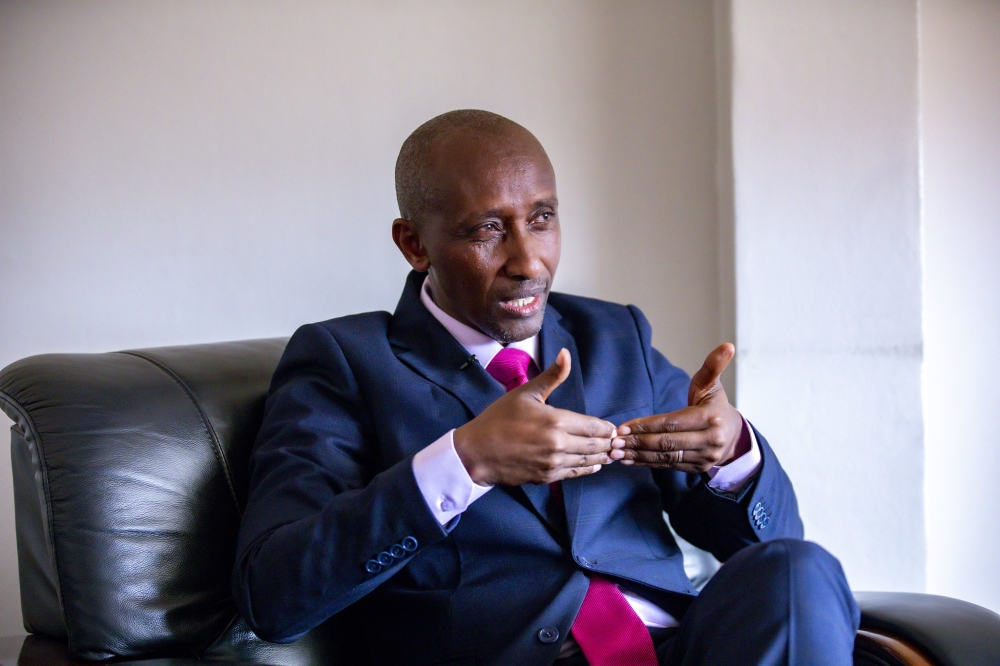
[(332, 488)]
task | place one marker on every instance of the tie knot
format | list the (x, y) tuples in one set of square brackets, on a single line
[(510, 367)]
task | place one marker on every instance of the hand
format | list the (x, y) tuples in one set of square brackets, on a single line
[(693, 439), (519, 439)]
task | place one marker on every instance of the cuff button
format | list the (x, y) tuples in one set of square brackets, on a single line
[(397, 551), (372, 567), (384, 558), (409, 544)]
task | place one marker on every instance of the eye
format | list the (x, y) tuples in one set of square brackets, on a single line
[(487, 230)]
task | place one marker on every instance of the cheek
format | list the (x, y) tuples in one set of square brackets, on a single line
[(472, 272), (553, 250)]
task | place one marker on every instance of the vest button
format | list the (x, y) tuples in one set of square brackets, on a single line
[(548, 634)]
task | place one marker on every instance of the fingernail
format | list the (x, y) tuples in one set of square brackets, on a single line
[(624, 430), (617, 454), (618, 443), (614, 432), (597, 468), (628, 462)]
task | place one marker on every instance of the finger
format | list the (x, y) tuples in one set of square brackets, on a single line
[(586, 445), (687, 468), (679, 441), (545, 383), (574, 472), (586, 461), (705, 382), (660, 458), (580, 424), (667, 459), (683, 420)]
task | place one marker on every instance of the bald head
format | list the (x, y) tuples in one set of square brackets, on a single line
[(418, 190)]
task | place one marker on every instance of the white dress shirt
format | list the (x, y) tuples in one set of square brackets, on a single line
[(449, 490)]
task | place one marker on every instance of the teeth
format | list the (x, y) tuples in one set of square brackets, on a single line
[(521, 302)]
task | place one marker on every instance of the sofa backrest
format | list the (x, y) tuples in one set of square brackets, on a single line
[(130, 474)]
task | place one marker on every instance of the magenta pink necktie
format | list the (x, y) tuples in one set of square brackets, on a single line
[(607, 628)]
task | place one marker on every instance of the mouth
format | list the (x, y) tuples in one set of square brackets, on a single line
[(523, 306)]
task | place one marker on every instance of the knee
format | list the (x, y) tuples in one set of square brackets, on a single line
[(810, 574), (795, 551), (806, 554), (816, 574), (797, 559)]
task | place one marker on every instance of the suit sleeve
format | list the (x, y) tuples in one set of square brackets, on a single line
[(321, 509), (716, 521)]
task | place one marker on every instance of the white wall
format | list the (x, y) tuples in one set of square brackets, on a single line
[(960, 129), (828, 318), (179, 172)]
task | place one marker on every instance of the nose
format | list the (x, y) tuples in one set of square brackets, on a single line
[(524, 254)]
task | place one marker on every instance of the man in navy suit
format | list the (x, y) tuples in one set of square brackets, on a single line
[(480, 477)]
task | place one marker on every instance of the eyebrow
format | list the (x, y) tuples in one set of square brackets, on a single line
[(493, 212)]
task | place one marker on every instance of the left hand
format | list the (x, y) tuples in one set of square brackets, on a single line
[(694, 439)]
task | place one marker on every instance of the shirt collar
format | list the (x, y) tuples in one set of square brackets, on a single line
[(475, 342)]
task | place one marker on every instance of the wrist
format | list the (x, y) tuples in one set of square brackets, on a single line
[(466, 453), (741, 445)]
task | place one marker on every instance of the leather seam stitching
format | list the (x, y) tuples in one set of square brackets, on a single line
[(217, 445)]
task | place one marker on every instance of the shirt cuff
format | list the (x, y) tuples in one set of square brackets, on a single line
[(443, 480), (733, 476)]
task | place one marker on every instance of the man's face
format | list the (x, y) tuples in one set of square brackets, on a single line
[(493, 248)]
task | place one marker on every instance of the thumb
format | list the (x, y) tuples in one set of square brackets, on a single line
[(541, 386), (705, 383)]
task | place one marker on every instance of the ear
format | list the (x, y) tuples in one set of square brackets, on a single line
[(406, 235)]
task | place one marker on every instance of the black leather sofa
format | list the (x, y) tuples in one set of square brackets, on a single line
[(129, 479)]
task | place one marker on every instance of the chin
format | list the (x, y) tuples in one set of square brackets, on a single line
[(515, 331)]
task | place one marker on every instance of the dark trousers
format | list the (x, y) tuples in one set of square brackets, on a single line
[(781, 602)]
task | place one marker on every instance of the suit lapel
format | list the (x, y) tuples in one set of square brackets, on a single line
[(421, 342)]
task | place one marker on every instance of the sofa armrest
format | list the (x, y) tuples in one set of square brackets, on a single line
[(948, 631)]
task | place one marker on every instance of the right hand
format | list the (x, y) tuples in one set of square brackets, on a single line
[(519, 439)]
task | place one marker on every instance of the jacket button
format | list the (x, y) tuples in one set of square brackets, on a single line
[(409, 544), (384, 558), (372, 567), (397, 551), (548, 634)]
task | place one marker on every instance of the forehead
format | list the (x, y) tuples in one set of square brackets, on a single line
[(473, 169)]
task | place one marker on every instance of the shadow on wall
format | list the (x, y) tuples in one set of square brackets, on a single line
[(659, 236)]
